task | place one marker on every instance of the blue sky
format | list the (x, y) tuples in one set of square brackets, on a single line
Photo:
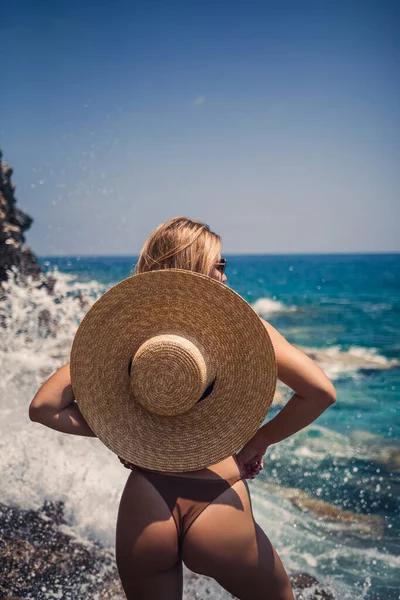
[(277, 123)]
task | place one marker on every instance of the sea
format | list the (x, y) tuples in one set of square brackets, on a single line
[(328, 496)]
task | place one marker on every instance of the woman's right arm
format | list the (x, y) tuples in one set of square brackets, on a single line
[(314, 391)]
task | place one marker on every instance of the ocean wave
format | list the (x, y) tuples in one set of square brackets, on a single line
[(371, 307), (317, 447), (33, 317), (335, 361), (36, 462), (267, 306)]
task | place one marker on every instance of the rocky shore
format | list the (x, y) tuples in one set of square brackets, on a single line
[(41, 559)]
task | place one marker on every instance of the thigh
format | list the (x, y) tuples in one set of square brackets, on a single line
[(227, 544), (147, 552)]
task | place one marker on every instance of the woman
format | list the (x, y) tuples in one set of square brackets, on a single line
[(222, 539)]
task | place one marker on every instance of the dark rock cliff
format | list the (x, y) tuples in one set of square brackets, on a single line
[(16, 261), (13, 224)]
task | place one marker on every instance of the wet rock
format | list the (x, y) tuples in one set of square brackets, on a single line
[(48, 284), (304, 581), (44, 322), (38, 558), (363, 525), (13, 224), (29, 266), (83, 303), (16, 261)]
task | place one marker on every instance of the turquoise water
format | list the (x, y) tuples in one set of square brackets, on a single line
[(344, 311)]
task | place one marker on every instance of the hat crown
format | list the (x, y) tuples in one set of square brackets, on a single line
[(169, 374)]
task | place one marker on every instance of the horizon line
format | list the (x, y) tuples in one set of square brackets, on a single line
[(356, 253)]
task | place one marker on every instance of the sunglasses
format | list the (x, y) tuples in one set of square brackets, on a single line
[(221, 266)]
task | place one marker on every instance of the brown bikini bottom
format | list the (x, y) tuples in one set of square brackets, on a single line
[(187, 497)]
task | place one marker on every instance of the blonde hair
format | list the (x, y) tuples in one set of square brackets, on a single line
[(180, 243)]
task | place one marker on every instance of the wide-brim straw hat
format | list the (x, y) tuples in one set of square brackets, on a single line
[(173, 370)]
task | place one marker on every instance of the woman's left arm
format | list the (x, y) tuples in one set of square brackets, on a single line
[(54, 405)]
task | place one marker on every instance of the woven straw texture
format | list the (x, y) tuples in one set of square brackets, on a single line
[(225, 342)]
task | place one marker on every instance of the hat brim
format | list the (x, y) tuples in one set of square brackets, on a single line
[(195, 306)]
